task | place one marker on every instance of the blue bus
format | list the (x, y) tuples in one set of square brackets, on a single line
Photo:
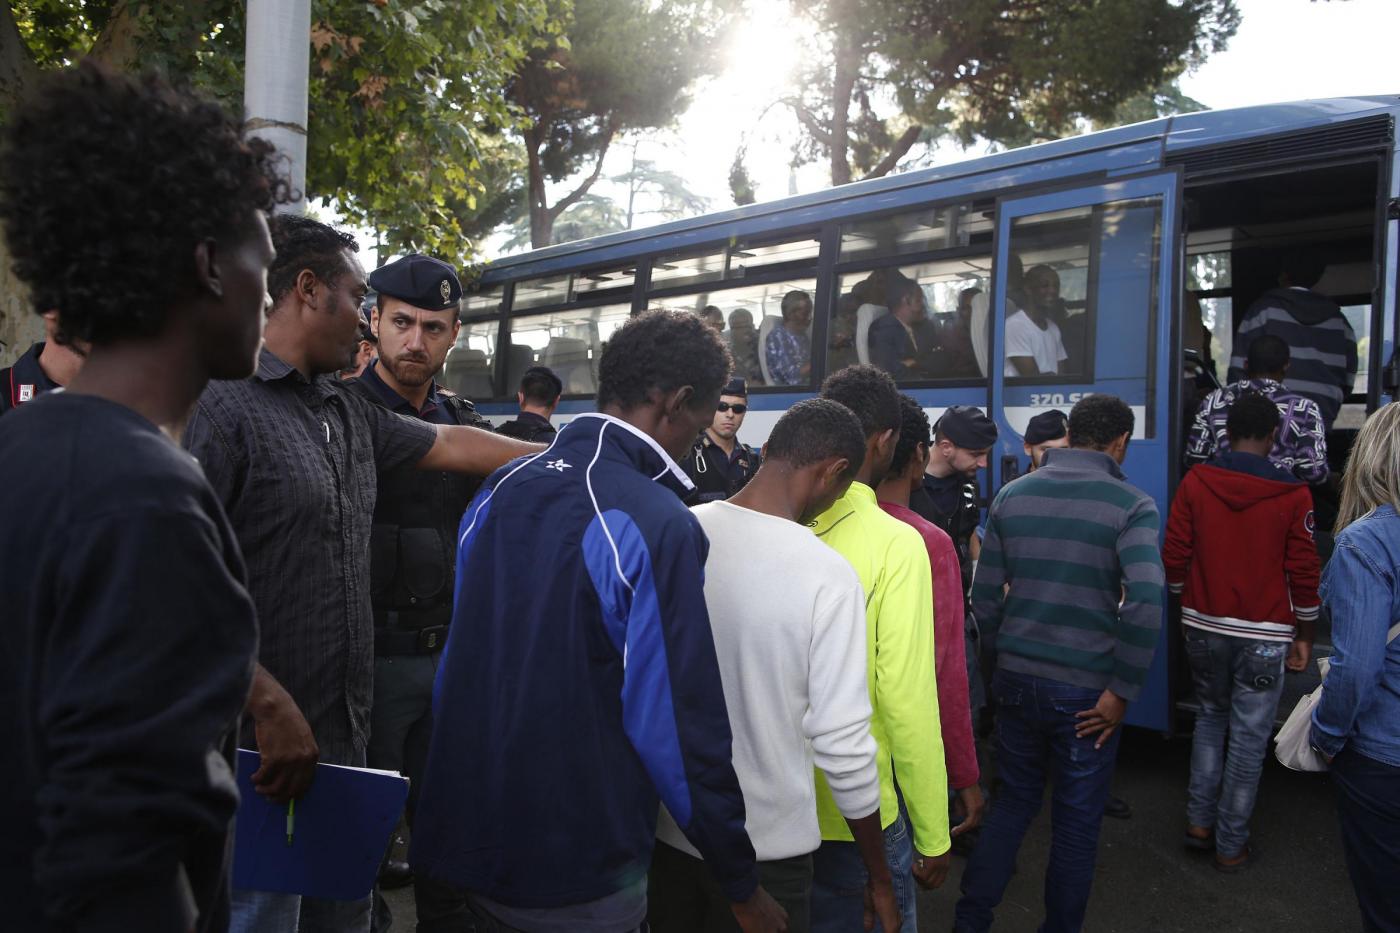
[(1160, 235)]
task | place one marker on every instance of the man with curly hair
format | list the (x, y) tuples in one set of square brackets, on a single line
[(569, 704), (129, 634), (293, 454)]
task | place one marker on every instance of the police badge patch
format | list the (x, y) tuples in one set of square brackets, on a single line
[(446, 290)]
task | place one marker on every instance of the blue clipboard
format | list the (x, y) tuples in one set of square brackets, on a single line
[(341, 829)]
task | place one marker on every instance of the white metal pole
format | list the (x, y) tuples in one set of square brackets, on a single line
[(278, 65)]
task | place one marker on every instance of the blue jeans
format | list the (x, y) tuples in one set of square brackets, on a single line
[(1238, 684), (272, 912), (839, 876), (1035, 741), (1368, 807)]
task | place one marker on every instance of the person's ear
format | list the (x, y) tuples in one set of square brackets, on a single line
[(833, 472), (307, 287), (677, 401), (374, 322), (886, 440), (206, 267)]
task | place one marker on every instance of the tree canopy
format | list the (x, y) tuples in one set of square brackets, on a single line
[(408, 101), (886, 73), (623, 66)]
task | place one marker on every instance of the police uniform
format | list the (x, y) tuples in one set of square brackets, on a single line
[(528, 426), (718, 475), (25, 380), (951, 503), (413, 544)]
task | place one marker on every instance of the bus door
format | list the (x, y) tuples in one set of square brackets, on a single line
[(1082, 299)]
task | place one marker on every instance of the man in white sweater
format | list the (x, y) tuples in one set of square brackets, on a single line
[(788, 616)]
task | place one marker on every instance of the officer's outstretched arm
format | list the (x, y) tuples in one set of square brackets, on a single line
[(463, 449)]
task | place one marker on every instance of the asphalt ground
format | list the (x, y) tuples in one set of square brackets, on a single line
[(1148, 882)]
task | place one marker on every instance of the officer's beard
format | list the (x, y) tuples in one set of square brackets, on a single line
[(412, 370)]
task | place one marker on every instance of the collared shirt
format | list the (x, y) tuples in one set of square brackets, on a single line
[(1301, 445), (24, 381), (294, 463), (893, 566), (717, 475), (433, 410), (787, 353)]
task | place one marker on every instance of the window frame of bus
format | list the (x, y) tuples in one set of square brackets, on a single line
[(763, 275), (727, 249), (839, 270)]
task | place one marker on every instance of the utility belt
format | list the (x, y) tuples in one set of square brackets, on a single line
[(411, 631)]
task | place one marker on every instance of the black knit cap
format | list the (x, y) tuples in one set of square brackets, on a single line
[(967, 427), (1047, 426)]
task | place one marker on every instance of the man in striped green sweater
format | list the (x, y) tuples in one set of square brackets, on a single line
[(1068, 596)]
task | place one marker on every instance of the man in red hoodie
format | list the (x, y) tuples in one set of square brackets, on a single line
[(1240, 552)]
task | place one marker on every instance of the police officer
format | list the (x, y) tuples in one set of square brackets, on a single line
[(413, 540), (538, 396), (45, 366), (962, 439), (1046, 431), (718, 464)]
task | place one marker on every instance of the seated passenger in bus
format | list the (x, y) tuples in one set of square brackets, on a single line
[(713, 318), (789, 348), (894, 343), (1034, 346), (1043, 292), (953, 356), (1321, 341), (742, 338), (841, 345)]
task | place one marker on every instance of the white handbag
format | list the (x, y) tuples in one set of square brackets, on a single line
[(1293, 744)]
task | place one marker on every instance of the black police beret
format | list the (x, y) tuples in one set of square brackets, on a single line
[(1047, 426), (422, 281), (736, 386), (967, 427)]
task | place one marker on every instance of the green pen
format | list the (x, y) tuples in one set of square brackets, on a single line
[(291, 819)]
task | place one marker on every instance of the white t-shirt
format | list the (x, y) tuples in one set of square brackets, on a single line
[(788, 617), (1024, 338)]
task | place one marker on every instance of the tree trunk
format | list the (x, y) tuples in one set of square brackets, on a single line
[(19, 325), (842, 85)]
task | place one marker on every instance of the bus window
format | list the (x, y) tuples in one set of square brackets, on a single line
[(615, 282), (1208, 280), (541, 292), (1046, 311), (752, 255), (1359, 317), (914, 321), (471, 360), (753, 316), (484, 301), (570, 342), (689, 268), (947, 226)]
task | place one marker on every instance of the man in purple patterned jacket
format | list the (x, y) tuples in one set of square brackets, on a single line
[(1301, 446)]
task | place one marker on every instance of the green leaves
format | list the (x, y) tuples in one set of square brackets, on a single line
[(1012, 71)]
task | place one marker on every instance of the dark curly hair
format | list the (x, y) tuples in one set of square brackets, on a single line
[(1251, 417), (867, 391), (913, 430), (815, 429), (1098, 420), (107, 183), (661, 351), (305, 243)]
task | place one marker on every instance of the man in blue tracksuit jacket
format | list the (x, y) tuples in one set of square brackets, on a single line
[(579, 681)]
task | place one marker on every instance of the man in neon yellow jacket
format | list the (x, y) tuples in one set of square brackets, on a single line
[(893, 567)]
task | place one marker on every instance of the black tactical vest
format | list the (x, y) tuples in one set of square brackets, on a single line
[(413, 540)]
